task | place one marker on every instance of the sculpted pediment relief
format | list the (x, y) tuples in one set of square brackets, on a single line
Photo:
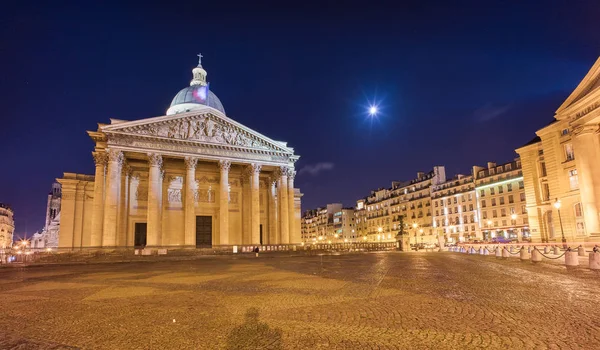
[(204, 128)]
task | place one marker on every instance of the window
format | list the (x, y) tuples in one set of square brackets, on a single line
[(543, 169), (481, 173), (472, 218), (492, 171), (465, 220), (569, 155), (512, 210), (503, 212), (470, 197), (507, 167), (436, 204), (573, 179), (494, 213), (470, 207), (484, 215), (492, 192), (483, 203), (578, 211), (493, 201), (464, 208), (525, 220), (522, 195), (564, 132), (521, 185), (482, 193), (455, 210), (463, 198), (503, 222), (500, 189), (455, 200), (501, 200), (509, 187), (523, 210), (449, 201)]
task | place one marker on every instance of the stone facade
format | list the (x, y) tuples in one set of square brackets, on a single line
[(455, 213), (191, 178), (333, 224), (48, 236), (561, 168), (378, 215), (7, 226)]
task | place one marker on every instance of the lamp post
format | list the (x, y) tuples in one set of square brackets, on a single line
[(421, 232), (562, 232), (415, 225)]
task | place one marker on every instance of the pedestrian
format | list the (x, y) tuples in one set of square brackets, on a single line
[(256, 250)]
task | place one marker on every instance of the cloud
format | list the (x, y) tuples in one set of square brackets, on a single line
[(489, 112), (315, 169)]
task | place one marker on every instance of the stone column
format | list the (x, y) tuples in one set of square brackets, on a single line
[(273, 211), (282, 200), (124, 206), (254, 189), (111, 201), (154, 187), (291, 207), (586, 162), (190, 202), (100, 159), (162, 239), (224, 166), (134, 184)]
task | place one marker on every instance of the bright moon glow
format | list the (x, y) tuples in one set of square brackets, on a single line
[(373, 110)]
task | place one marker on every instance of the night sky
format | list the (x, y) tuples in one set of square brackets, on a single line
[(457, 85)]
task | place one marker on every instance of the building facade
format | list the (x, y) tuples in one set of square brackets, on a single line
[(455, 213), (191, 178), (7, 226), (378, 217), (561, 168), (48, 236), (501, 201), (318, 224)]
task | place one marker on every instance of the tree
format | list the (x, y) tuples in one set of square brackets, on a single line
[(402, 232)]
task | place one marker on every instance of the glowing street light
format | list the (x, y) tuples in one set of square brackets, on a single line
[(513, 216)]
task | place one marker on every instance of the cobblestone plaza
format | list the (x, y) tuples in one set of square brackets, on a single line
[(352, 301)]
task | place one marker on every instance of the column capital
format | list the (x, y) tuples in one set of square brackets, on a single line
[(190, 163), (155, 160), (100, 158), (224, 165), (291, 173), (255, 168), (126, 169), (115, 155)]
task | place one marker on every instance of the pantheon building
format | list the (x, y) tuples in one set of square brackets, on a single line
[(191, 178)]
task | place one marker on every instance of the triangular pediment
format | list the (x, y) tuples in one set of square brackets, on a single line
[(203, 126), (580, 102)]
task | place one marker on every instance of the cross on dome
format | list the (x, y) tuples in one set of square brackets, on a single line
[(199, 59)]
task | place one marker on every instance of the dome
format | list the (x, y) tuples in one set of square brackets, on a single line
[(192, 97)]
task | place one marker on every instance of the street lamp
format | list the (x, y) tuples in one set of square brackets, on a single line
[(562, 232), (421, 232), (415, 225)]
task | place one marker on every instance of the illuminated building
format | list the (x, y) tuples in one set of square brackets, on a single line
[(562, 166), (501, 201), (378, 216), (331, 223), (455, 214), (48, 237), (190, 178), (7, 226)]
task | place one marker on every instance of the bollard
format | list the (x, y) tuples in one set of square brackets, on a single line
[(536, 256), (571, 258), (595, 261), (556, 250), (524, 254), (498, 253), (581, 251), (546, 250), (486, 251), (505, 253), (481, 251)]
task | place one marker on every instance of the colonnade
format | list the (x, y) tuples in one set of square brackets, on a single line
[(110, 226)]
